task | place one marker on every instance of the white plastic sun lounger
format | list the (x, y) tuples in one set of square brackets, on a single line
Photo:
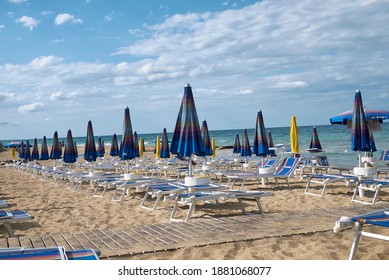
[(191, 199), (324, 180), (7, 217), (3, 204), (373, 186)]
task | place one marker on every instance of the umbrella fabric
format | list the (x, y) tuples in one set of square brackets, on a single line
[(114, 146), (136, 145), (126, 151), (246, 149), (187, 138), (206, 138), (237, 148), (69, 154), (158, 148), (56, 150), (27, 154), (75, 149), (141, 147), (373, 148), (44, 150), (90, 153), (213, 145), (260, 145), (315, 146), (165, 152), (272, 152), (360, 135), (294, 139), (22, 150), (35, 152), (100, 148)]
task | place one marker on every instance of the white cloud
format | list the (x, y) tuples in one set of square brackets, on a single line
[(28, 22), (45, 61), (45, 13), (109, 17), (2, 26), (291, 84), (17, 1), (63, 18), (33, 107)]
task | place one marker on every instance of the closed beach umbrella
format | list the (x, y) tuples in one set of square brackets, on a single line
[(158, 147), (272, 152), (100, 148), (206, 138), (35, 152), (141, 146), (126, 151), (165, 152), (27, 155), (75, 149), (90, 153), (114, 152), (260, 145), (315, 146), (44, 150), (22, 150), (187, 138), (246, 149), (213, 145), (69, 154), (136, 145), (294, 138), (237, 148), (373, 148), (56, 150)]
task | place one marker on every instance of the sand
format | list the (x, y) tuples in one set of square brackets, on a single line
[(59, 209)]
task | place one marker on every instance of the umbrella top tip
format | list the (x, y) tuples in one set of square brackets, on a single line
[(187, 84)]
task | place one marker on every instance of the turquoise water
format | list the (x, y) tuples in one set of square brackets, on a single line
[(335, 140)]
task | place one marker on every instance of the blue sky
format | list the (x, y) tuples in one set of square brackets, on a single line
[(65, 62)]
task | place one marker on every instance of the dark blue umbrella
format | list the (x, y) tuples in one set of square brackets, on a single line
[(44, 150), (75, 149), (56, 149), (27, 155), (90, 153), (260, 145), (165, 152), (35, 152), (237, 148), (246, 149), (187, 139), (315, 146), (114, 152), (100, 148), (126, 151), (69, 154), (272, 152), (22, 150), (206, 138), (136, 145), (373, 148)]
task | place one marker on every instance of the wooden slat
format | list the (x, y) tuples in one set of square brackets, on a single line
[(37, 241), (60, 241), (25, 242), (104, 249), (48, 241), (72, 241), (83, 241), (4, 243)]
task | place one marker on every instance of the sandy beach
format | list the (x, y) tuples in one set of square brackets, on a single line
[(58, 209)]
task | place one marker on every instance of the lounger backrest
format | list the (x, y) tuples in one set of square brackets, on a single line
[(384, 155), (287, 167), (323, 161)]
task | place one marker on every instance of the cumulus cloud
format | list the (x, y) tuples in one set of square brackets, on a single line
[(33, 107), (2, 26), (28, 22), (45, 61), (17, 1), (64, 18)]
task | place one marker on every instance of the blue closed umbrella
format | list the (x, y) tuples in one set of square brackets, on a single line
[(126, 151), (35, 152), (75, 149), (272, 152), (114, 152), (44, 150), (206, 138), (187, 138), (315, 145), (90, 153), (165, 152), (100, 148), (69, 155), (27, 154), (56, 149), (260, 145), (136, 145), (237, 148), (246, 149), (22, 150)]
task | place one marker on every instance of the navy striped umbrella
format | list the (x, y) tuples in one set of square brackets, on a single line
[(44, 150), (315, 146), (114, 152), (22, 150), (90, 153), (237, 148), (56, 149), (187, 139), (126, 151), (100, 148), (272, 152), (75, 149), (260, 145), (35, 152), (246, 149), (165, 152), (27, 154), (206, 138), (69, 154), (136, 145)]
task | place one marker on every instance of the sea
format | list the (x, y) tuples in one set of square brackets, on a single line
[(335, 141)]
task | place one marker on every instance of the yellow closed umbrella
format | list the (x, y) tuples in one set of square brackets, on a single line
[(158, 148), (13, 153), (294, 137), (213, 145), (141, 145)]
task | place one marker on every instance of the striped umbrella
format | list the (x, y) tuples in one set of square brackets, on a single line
[(136, 145), (373, 148), (272, 152), (56, 150), (126, 151), (206, 138), (100, 148), (246, 149), (75, 149), (69, 154), (44, 150), (260, 145), (114, 152), (237, 148), (294, 137), (22, 150), (360, 135), (90, 153), (35, 152), (315, 146), (165, 152), (27, 153), (187, 136)]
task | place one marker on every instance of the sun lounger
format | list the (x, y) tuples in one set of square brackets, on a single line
[(193, 198), (377, 218), (324, 180), (7, 217), (373, 186), (53, 253), (3, 204)]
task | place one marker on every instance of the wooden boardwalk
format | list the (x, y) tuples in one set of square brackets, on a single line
[(127, 241)]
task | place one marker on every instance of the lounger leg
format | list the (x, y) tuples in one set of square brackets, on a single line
[(9, 229), (190, 211), (354, 246), (242, 206)]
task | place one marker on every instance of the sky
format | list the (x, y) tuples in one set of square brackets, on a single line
[(63, 62)]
